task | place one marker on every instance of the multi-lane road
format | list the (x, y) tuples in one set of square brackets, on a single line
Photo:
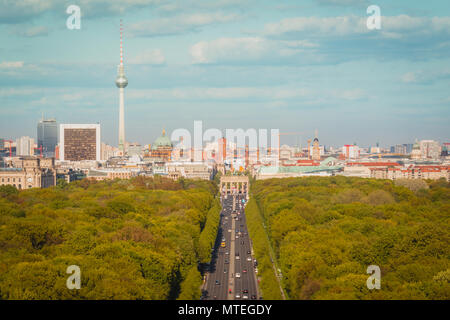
[(232, 269)]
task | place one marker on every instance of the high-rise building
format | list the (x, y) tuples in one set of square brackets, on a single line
[(24, 146), (402, 148), (415, 153), (79, 142), (2, 143), (47, 136), (430, 149), (350, 151), (121, 83)]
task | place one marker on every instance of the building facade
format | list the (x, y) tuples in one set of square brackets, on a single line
[(29, 172), (79, 142), (47, 137), (430, 149), (24, 146)]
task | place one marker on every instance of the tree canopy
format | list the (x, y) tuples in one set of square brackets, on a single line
[(132, 239), (326, 231)]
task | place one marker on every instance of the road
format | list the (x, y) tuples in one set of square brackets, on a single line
[(235, 258)]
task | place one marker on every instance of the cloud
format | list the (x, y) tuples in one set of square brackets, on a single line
[(229, 49), (409, 77), (249, 50), (17, 11), (354, 25), (212, 93), (31, 32), (343, 2), (352, 95), (425, 77), (20, 11), (178, 24), (11, 64), (153, 57), (329, 26)]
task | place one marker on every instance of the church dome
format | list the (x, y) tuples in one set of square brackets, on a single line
[(162, 141)]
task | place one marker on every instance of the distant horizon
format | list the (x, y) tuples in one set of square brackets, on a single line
[(293, 137)]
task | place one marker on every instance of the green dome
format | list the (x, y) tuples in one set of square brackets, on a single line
[(162, 141)]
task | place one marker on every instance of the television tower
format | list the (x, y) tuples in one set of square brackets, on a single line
[(121, 83)]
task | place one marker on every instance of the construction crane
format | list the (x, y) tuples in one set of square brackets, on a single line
[(40, 149)]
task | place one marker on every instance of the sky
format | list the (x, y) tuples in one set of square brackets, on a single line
[(296, 66)]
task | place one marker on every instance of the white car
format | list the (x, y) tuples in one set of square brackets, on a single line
[(238, 296), (245, 296), (249, 258), (238, 275)]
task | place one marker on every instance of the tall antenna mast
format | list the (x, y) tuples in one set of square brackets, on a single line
[(121, 46), (121, 83)]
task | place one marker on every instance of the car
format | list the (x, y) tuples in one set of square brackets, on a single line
[(249, 258), (242, 242), (226, 252), (253, 297), (244, 271), (238, 275), (245, 296), (225, 270), (249, 252), (238, 296), (217, 283), (245, 291), (226, 261), (237, 236)]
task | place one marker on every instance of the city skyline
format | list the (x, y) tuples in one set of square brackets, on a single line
[(232, 65)]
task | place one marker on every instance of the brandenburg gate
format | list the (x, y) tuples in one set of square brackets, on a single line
[(234, 185)]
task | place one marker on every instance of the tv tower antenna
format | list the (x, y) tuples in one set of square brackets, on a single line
[(121, 83)]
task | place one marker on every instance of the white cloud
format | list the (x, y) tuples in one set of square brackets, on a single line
[(315, 25), (343, 2), (247, 49), (15, 11), (154, 57), (30, 32), (178, 24), (391, 26), (409, 77), (352, 94), (211, 93), (11, 64), (425, 76)]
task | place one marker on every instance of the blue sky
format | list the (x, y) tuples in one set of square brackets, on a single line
[(293, 65)]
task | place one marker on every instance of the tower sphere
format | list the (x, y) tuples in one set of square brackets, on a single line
[(121, 81)]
